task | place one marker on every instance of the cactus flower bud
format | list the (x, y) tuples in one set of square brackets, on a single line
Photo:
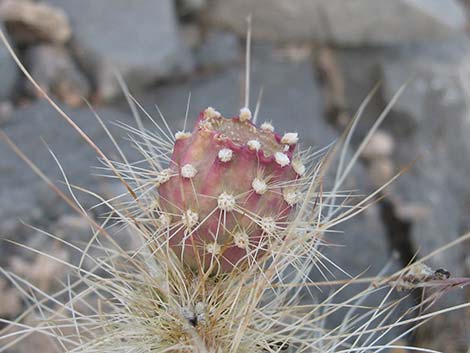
[(229, 188)]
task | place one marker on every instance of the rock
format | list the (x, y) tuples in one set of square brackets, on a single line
[(29, 22), (435, 105), (429, 124), (23, 194), (219, 49), (8, 71), (449, 87), (55, 71), (362, 22), (140, 40), (435, 101), (349, 76)]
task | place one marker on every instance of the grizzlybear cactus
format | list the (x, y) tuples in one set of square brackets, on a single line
[(228, 191)]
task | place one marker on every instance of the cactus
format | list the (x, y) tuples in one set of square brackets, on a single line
[(229, 189)]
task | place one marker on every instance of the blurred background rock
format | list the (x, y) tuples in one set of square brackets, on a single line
[(316, 60)]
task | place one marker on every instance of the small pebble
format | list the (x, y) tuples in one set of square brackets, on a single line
[(380, 145), (30, 22)]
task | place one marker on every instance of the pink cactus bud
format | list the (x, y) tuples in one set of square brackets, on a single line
[(226, 191)]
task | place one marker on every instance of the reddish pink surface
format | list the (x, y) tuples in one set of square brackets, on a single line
[(214, 177)]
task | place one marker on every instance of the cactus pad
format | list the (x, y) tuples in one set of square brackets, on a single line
[(229, 190)]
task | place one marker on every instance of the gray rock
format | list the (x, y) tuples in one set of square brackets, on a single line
[(23, 195), (436, 101), (439, 67), (219, 49), (428, 123), (362, 22), (140, 40), (30, 22), (8, 71), (55, 71)]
